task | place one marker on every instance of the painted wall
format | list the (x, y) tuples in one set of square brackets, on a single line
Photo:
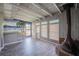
[(33, 30), (62, 25), (1, 33)]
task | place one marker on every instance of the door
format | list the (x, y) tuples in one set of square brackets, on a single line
[(28, 29)]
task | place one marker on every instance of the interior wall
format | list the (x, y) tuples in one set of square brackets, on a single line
[(1, 33), (38, 31), (62, 25), (45, 31), (34, 30), (1, 25)]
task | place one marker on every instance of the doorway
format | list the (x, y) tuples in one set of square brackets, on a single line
[(28, 29)]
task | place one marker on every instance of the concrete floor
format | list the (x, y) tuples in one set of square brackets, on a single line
[(30, 47)]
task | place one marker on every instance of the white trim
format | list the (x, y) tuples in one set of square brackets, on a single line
[(13, 42), (10, 43), (1, 48), (57, 8), (54, 21)]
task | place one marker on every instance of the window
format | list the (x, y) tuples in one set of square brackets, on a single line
[(38, 30), (54, 30), (44, 29), (28, 29), (27, 26)]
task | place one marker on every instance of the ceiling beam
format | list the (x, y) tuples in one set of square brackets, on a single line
[(57, 7), (25, 11), (19, 9), (26, 16), (42, 8)]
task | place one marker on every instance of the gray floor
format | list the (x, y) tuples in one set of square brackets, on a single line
[(30, 47)]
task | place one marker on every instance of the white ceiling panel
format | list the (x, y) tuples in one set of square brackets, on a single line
[(50, 7), (27, 11)]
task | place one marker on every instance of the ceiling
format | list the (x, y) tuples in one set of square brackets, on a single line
[(27, 11)]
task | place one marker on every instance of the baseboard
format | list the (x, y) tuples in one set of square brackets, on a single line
[(13, 42)]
